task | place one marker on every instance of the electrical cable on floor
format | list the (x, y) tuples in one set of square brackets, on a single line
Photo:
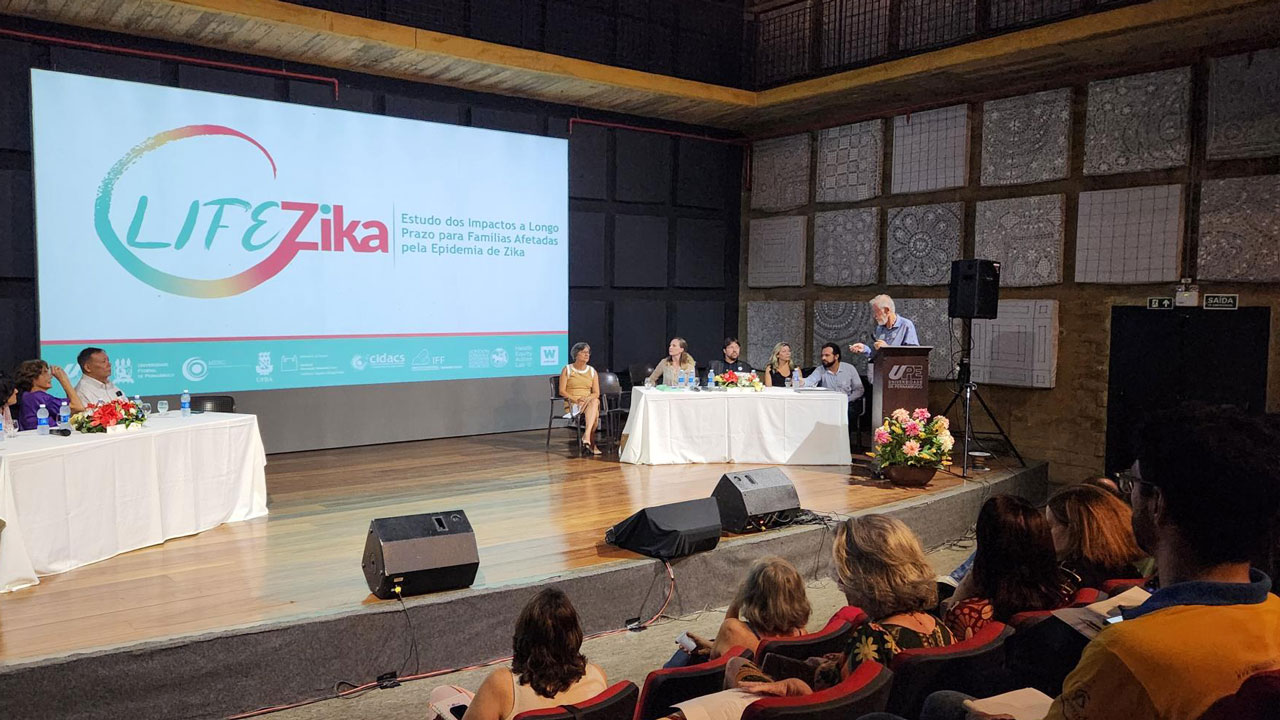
[(357, 689)]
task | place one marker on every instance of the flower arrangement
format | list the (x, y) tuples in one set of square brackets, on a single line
[(120, 412), (914, 439), (732, 379)]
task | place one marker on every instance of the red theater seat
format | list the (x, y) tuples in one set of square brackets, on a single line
[(974, 667), (666, 687), (1083, 597), (618, 702), (832, 638), (1119, 585), (866, 690)]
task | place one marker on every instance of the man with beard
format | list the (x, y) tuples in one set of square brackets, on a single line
[(836, 375), (1205, 489), (890, 329), (732, 350)]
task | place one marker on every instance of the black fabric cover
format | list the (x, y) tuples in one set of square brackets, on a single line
[(669, 531)]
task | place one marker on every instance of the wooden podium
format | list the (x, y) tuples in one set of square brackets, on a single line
[(900, 379)]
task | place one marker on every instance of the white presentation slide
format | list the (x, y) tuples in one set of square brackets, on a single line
[(218, 243)]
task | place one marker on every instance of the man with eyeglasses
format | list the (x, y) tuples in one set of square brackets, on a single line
[(1205, 490)]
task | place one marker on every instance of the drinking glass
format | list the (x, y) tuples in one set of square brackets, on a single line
[(162, 406), (648, 382), (146, 408)]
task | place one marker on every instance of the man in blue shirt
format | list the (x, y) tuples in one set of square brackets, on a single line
[(836, 375), (891, 328)]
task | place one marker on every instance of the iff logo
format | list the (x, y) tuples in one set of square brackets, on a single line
[(262, 222), (550, 354)]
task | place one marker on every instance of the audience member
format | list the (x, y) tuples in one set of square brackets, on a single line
[(730, 361), (1204, 493), (1014, 570), (882, 569), (34, 379), (1105, 483), (779, 369), (678, 359), (580, 388), (771, 602), (96, 386), (1093, 535), (547, 669), (8, 398)]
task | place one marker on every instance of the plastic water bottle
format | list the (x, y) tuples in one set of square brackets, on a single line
[(64, 415), (796, 380), (42, 420), (186, 403), (137, 403), (682, 379), (711, 379)]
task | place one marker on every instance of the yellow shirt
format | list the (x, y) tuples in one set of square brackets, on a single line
[(1171, 663)]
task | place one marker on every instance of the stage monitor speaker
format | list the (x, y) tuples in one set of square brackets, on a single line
[(420, 554), (975, 289), (755, 499), (669, 531)]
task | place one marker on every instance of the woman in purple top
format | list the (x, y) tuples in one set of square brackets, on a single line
[(35, 377)]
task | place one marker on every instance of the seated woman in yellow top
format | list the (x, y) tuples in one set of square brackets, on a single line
[(678, 358), (580, 388)]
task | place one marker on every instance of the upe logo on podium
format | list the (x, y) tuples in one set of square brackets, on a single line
[(907, 377)]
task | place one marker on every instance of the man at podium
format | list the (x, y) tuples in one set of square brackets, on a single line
[(890, 329)]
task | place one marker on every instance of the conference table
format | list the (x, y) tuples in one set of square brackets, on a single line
[(777, 426), (70, 501)]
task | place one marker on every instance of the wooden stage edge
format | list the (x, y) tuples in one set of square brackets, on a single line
[(537, 513)]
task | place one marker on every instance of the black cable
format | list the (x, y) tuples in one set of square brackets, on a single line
[(413, 639)]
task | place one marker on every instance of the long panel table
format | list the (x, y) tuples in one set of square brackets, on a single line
[(776, 426), (70, 501)]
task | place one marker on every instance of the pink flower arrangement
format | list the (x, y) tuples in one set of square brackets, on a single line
[(914, 438)]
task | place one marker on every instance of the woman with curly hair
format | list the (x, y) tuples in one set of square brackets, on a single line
[(547, 669), (34, 379), (771, 602), (882, 569)]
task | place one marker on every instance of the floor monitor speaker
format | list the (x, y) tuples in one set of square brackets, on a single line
[(755, 499), (420, 554), (669, 531)]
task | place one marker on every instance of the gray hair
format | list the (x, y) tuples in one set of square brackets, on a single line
[(883, 301), (577, 348)]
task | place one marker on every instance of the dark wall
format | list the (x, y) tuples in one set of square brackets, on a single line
[(653, 217)]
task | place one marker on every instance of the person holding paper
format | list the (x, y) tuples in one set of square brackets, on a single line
[(890, 329), (1203, 501), (96, 386)]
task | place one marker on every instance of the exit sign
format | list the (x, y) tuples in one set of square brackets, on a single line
[(1221, 302), (1159, 303)]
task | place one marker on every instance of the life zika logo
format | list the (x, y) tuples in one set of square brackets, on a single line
[(336, 233)]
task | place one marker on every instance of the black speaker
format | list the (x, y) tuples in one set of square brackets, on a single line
[(420, 554), (755, 499), (669, 531), (975, 289)]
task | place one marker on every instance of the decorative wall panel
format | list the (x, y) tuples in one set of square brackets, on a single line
[(777, 254), (843, 323), (1240, 229), (922, 242), (1244, 106), (769, 323), (1025, 236), (846, 247), (1019, 347), (780, 173), (849, 162), (931, 149), (1132, 235), (1137, 122), (1025, 139)]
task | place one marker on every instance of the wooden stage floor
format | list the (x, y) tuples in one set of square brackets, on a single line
[(536, 513)]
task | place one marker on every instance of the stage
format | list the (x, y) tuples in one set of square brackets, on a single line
[(276, 609)]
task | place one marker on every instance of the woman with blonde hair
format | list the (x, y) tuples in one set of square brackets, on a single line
[(771, 602), (881, 568), (780, 368), (1093, 535), (677, 359)]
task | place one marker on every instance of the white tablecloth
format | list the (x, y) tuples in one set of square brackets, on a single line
[(71, 501), (775, 426)]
